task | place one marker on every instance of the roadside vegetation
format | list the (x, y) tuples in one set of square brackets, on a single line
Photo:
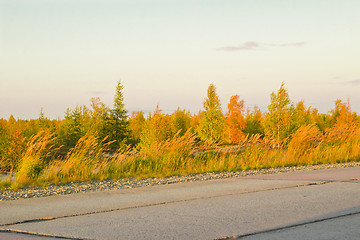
[(106, 143)]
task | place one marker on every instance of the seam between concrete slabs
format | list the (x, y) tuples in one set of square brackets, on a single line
[(288, 226), (40, 234), (160, 203)]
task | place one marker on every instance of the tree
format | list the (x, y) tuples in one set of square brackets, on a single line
[(211, 124), (136, 124), (181, 121), (277, 122), (234, 122), (342, 115), (254, 122), (98, 115), (195, 121), (12, 142), (301, 116), (72, 128), (116, 124), (157, 128)]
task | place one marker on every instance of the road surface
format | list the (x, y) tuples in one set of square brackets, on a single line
[(318, 204)]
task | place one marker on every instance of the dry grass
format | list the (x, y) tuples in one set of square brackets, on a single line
[(32, 161), (87, 160), (80, 163)]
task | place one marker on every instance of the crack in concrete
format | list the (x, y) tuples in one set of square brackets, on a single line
[(154, 204), (14, 231), (287, 226)]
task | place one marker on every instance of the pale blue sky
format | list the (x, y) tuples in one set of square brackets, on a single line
[(57, 54)]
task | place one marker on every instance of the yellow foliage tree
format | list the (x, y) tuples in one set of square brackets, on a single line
[(157, 128), (136, 124), (278, 121), (211, 123), (234, 120)]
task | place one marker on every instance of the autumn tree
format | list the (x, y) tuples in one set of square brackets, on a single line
[(98, 114), (12, 142), (136, 124), (39, 124), (278, 120), (342, 116), (194, 122), (254, 122), (323, 121), (181, 121), (3, 141), (301, 116), (157, 128), (234, 120), (211, 124)]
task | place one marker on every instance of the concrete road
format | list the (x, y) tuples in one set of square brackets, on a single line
[(317, 204)]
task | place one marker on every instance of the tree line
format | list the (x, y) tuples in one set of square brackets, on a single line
[(119, 129)]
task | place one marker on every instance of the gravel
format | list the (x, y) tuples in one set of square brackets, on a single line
[(80, 187)]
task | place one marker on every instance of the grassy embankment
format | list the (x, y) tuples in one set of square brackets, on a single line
[(87, 161)]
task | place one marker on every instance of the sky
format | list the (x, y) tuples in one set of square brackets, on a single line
[(58, 54)]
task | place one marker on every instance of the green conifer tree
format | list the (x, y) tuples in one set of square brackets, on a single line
[(116, 124)]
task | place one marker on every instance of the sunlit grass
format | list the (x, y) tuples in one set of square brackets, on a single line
[(88, 160), (32, 162)]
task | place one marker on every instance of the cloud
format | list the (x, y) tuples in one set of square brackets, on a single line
[(355, 82), (251, 45), (293, 44), (95, 92)]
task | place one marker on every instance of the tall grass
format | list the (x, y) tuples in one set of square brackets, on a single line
[(156, 160), (33, 159), (80, 163), (89, 159)]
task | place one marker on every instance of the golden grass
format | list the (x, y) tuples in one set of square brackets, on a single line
[(80, 163), (88, 160), (32, 161)]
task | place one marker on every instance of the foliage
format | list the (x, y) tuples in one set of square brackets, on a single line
[(73, 127), (157, 128), (254, 122), (33, 162), (211, 124), (342, 115), (116, 123), (305, 139), (136, 124), (79, 163), (301, 116), (95, 140), (13, 143), (234, 121), (181, 121), (278, 121)]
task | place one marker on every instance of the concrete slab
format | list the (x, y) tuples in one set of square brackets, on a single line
[(21, 236), (333, 174), (91, 202), (210, 218), (197, 210), (346, 227)]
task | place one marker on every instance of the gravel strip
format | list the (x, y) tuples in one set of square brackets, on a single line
[(80, 187)]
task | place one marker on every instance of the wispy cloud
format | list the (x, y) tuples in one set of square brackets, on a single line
[(355, 82), (95, 92), (251, 45), (293, 44)]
